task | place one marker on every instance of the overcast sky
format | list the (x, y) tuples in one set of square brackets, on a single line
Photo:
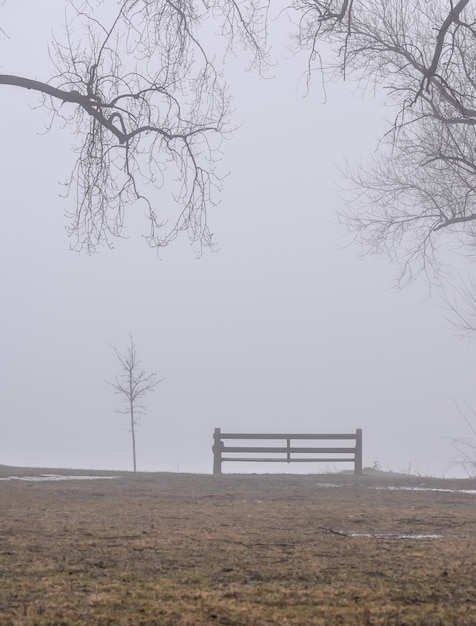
[(282, 329)]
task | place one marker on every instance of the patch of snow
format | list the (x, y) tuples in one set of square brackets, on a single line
[(57, 477)]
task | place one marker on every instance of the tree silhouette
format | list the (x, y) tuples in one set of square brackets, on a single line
[(133, 384)]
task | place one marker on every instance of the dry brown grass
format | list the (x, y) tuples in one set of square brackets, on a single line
[(174, 549)]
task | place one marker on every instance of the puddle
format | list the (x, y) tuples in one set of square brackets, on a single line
[(398, 488), (391, 535), (57, 477), (328, 485), (433, 489)]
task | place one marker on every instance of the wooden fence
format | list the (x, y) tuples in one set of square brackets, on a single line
[(286, 452)]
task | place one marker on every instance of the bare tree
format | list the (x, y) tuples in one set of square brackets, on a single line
[(421, 55), (133, 384), (140, 82), (465, 446)]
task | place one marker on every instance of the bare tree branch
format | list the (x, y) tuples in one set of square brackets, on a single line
[(422, 181), (140, 83)]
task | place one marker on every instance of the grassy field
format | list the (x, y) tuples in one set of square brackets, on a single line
[(178, 549)]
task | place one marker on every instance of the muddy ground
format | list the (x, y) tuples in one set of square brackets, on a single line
[(181, 549)]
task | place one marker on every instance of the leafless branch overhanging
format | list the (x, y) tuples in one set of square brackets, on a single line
[(144, 90)]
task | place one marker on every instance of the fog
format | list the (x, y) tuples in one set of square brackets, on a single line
[(283, 328)]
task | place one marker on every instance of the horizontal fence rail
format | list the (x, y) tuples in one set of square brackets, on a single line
[(288, 453)]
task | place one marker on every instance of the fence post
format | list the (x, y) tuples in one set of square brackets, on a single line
[(358, 452), (217, 448)]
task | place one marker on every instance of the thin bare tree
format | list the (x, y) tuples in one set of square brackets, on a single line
[(133, 384), (465, 446)]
